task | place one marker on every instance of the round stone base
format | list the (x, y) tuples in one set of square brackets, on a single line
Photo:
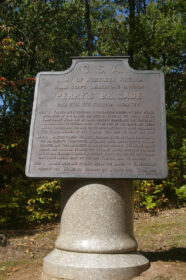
[(66, 265)]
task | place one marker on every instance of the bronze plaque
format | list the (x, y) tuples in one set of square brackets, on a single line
[(98, 119)]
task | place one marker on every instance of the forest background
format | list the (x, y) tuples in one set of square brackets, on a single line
[(42, 35)]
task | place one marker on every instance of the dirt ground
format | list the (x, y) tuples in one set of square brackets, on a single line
[(161, 238)]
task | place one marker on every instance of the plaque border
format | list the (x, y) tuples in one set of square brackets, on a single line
[(75, 60)]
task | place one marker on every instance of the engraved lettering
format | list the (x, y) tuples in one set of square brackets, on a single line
[(101, 122), (85, 68), (101, 69), (116, 69)]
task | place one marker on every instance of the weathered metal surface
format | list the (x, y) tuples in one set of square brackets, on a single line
[(98, 119)]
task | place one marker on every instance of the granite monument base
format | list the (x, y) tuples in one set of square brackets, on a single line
[(96, 239), (83, 266)]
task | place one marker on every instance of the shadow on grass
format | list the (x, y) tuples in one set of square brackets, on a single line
[(173, 254), (28, 230)]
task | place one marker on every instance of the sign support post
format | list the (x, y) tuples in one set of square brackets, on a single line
[(100, 124), (96, 238)]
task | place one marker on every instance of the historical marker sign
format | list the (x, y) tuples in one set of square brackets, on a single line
[(98, 119)]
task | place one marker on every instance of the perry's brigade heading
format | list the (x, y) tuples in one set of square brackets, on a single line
[(98, 119)]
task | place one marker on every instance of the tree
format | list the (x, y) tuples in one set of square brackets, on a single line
[(34, 36), (88, 27), (42, 35)]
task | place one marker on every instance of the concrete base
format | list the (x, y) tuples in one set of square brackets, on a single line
[(65, 265), (96, 240)]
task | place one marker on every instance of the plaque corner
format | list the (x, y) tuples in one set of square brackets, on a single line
[(27, 173), (164, 174), (39, 74)]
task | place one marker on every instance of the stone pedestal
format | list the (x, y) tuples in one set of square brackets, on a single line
[(96, 237)]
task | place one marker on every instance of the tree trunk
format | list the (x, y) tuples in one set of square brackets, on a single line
[(88, 27), (131, 28)]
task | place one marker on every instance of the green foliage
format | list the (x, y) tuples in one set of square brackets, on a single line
[(153, 194), (181, 192), (150, 195), (159, 38), (45, 204), (26, 201), (34, 36)]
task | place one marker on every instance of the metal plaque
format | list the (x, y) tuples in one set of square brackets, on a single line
[(98, 119)]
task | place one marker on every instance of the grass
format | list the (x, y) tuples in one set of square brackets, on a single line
[(9, 267), (162, 232), (160, 238), (6, 266)]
